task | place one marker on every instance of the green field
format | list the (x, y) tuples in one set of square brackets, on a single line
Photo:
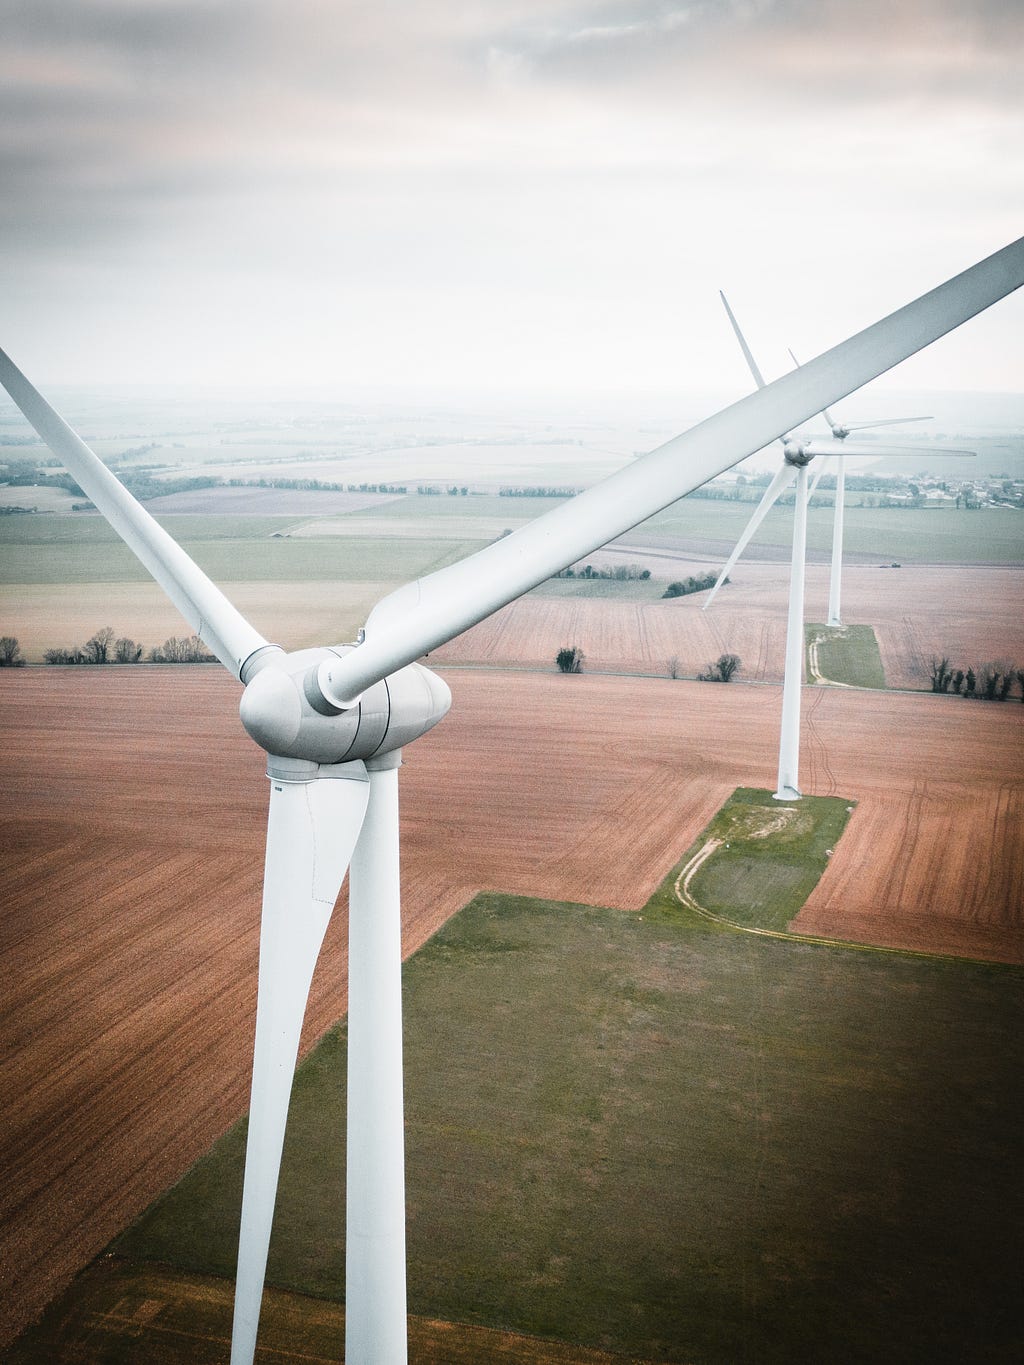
[(667, 1138), (48, 548), (925, 535), (847, 654), (229, 549)]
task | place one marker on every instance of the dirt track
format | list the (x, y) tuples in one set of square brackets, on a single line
[(133, 825)]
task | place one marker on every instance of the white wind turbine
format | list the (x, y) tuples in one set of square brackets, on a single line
[(797, 453), (333, 721)]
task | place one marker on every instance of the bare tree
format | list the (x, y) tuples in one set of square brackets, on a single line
[(570, 659), (176, 651), (724, 669), (127, 651), (942, 675), (10, 652), (672, 665), (97, 650)]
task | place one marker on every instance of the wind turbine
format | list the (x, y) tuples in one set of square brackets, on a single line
[(333, 722), (840, 432), (798, 452)]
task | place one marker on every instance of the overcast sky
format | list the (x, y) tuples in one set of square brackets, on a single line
[(510, 195)]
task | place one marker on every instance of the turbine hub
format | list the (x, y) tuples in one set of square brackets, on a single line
[(285, 712), (796, 454)]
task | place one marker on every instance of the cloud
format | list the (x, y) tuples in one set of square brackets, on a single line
[(545, 178), (792, 48)]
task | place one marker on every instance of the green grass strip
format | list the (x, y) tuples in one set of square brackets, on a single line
[(759, 859), (844, 654)]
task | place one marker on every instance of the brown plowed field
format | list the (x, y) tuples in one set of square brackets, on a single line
[(918, 612), (133, 830)]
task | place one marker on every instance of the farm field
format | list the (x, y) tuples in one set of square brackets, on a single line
[(130, 931), (229, 549), (62, 579), (911, 610)]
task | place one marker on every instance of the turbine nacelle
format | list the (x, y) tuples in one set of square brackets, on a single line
[(284, 710), (797, 454)]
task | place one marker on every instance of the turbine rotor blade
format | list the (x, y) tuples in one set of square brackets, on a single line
[(884, 422), (833, 424), (825, 449), (783, 478), (424, 614), (200, 601), (747, 353), (312, 830)]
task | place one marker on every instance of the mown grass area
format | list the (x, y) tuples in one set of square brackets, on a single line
[(847, 654), (655, 1135), (771, 856)]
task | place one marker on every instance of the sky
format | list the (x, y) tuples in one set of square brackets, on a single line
[(504, 197)]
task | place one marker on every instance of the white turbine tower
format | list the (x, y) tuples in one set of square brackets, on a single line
[(797, 454), (333, 722)]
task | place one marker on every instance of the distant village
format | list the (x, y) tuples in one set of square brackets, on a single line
[(889, 490)]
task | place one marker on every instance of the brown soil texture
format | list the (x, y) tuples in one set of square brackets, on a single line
[(919, 612), (133, 827)]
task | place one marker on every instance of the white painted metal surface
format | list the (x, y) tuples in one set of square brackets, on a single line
[(311, 832), (788, 787), (835, 577), (375, 1308)]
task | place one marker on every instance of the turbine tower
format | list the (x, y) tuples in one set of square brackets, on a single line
[(333, 722), (797, 455)]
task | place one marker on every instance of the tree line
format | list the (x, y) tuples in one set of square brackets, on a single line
[(106, 647), (537, 491), (988, 682), (690, 585), (620, 573)]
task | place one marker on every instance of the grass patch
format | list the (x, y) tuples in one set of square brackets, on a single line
[(845, 654), (770, 856)]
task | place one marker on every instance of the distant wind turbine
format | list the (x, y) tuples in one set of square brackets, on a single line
[(333, 722), (797, 453)]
